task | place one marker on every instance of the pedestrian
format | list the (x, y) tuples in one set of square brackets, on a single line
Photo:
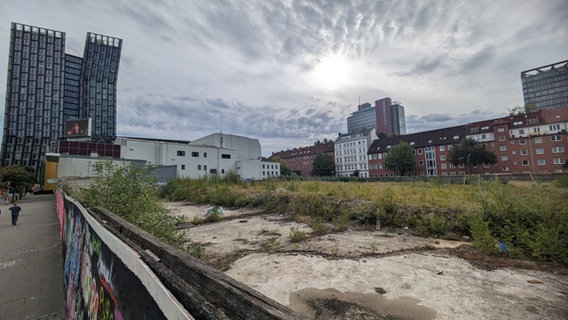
[(15, 212)]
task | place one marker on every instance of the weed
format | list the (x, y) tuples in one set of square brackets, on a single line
[(270, 244), (297, 235), (335, 249)]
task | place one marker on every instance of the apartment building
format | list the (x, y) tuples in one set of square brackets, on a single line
[(534, 143), (300, 160), (529, 143), (351, 153), (431, 150)]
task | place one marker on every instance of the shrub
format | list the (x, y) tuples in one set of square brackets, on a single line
[(130, 192), (297, 235)]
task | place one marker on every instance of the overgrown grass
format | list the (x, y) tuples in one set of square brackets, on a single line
[(130, 193), (531, 220)]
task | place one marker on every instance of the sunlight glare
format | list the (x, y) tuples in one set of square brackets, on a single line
[(332, 72)]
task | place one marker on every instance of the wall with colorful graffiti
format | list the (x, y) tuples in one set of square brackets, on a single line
[(98, 278)]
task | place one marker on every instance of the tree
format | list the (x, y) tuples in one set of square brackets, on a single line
[(17, 178), (528, 108), (469, 152), (284, 169), (400, 159), (322, 165)]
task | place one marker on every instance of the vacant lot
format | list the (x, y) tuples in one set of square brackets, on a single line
[(370, 274)]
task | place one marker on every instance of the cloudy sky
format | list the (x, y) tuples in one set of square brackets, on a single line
[(291, 72)]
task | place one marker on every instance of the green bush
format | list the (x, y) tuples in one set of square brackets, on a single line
[(131, 193)]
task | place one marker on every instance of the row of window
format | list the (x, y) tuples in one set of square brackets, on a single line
[(195, 154)]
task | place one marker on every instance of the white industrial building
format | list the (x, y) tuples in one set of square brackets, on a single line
[(215, 154)]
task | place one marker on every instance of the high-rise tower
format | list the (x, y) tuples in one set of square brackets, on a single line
[(546, 87), (45, 87), (390, 117)]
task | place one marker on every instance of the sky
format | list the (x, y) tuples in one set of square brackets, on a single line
[(290, 72)]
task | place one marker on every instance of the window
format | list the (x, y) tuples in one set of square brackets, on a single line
[(541, 162), (553, 127), (501, 138), (521, 131), (443, 157), (181, 153), (205, 167), (559, 161), (204, 154), (524, 152), (558, 149), (538, 140), (503, 148), (525, 163), (556, 137), (505, 168), (183, 167), (195, 154), (419, 151), (522, 141), (225, 156), (501, 130), (443, 166), (442, 148), (504, 158), (539, 150), (198, 167)]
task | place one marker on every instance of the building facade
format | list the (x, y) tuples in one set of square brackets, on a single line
[(390, 117), (430, 148), (364, 118), (300, 160), (213, 155), (45, 86), (535, 143), (546, 86), (351, 153)]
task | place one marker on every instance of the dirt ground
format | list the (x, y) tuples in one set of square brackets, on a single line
[(370, 274)]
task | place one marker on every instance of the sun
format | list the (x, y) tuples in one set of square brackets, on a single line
[(332, 72)]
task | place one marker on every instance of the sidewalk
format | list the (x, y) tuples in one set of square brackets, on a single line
[(31, 262)]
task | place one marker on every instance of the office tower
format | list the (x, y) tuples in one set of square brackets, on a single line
[(390, 117), (546, 87), (98, 84), (364, 118), (45, 87)]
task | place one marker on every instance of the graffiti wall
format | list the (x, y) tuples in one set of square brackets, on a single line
[(98, 284)]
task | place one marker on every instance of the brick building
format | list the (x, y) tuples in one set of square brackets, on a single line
[(300, 160), (533, 143)]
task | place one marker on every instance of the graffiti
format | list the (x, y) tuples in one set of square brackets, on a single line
[(97, 283)]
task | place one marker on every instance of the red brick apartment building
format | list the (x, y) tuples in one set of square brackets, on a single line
[(529, 143), (300, 160)]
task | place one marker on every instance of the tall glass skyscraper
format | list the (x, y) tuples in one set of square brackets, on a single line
[(45, 87), (546, 87), (364, 118)]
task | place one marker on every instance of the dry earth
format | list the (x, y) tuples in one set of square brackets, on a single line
[(358, 274)]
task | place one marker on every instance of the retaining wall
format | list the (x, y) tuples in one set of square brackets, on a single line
[(115, 270)]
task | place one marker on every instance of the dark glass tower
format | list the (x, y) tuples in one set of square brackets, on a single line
[(45, 86), (98, 84)]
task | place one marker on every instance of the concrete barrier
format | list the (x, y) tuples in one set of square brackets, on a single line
[(115, 270)]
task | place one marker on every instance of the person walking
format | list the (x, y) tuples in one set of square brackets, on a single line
[(15, 209)]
